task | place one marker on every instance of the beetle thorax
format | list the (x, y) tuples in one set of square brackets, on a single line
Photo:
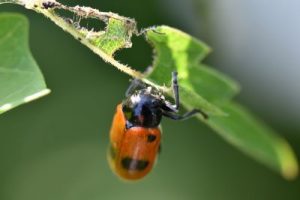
[(143, 108)]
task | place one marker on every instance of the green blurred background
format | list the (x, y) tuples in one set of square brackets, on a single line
[(55, 147)]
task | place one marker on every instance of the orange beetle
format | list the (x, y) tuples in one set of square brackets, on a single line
[(135, 135)]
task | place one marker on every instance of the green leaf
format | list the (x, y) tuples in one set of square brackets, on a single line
[(250, 135), (20, 78), (202, 86)]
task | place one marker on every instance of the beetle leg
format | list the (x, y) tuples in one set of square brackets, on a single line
[(175, 89)]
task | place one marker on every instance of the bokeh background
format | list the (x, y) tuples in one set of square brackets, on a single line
[(55, 147)]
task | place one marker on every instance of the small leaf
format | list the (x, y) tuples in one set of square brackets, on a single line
[(20, 78), (241, 129), (201, 86)]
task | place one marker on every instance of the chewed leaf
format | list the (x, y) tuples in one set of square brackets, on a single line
[(241, 129), (117, 35), (20, 78), (201, 86)]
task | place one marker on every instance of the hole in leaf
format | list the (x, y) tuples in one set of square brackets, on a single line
[(139, 56)]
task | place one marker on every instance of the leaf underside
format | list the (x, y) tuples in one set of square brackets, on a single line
[(20, 78)]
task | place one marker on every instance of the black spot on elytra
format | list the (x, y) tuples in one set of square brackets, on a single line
[(134, 164), (151, 138)]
